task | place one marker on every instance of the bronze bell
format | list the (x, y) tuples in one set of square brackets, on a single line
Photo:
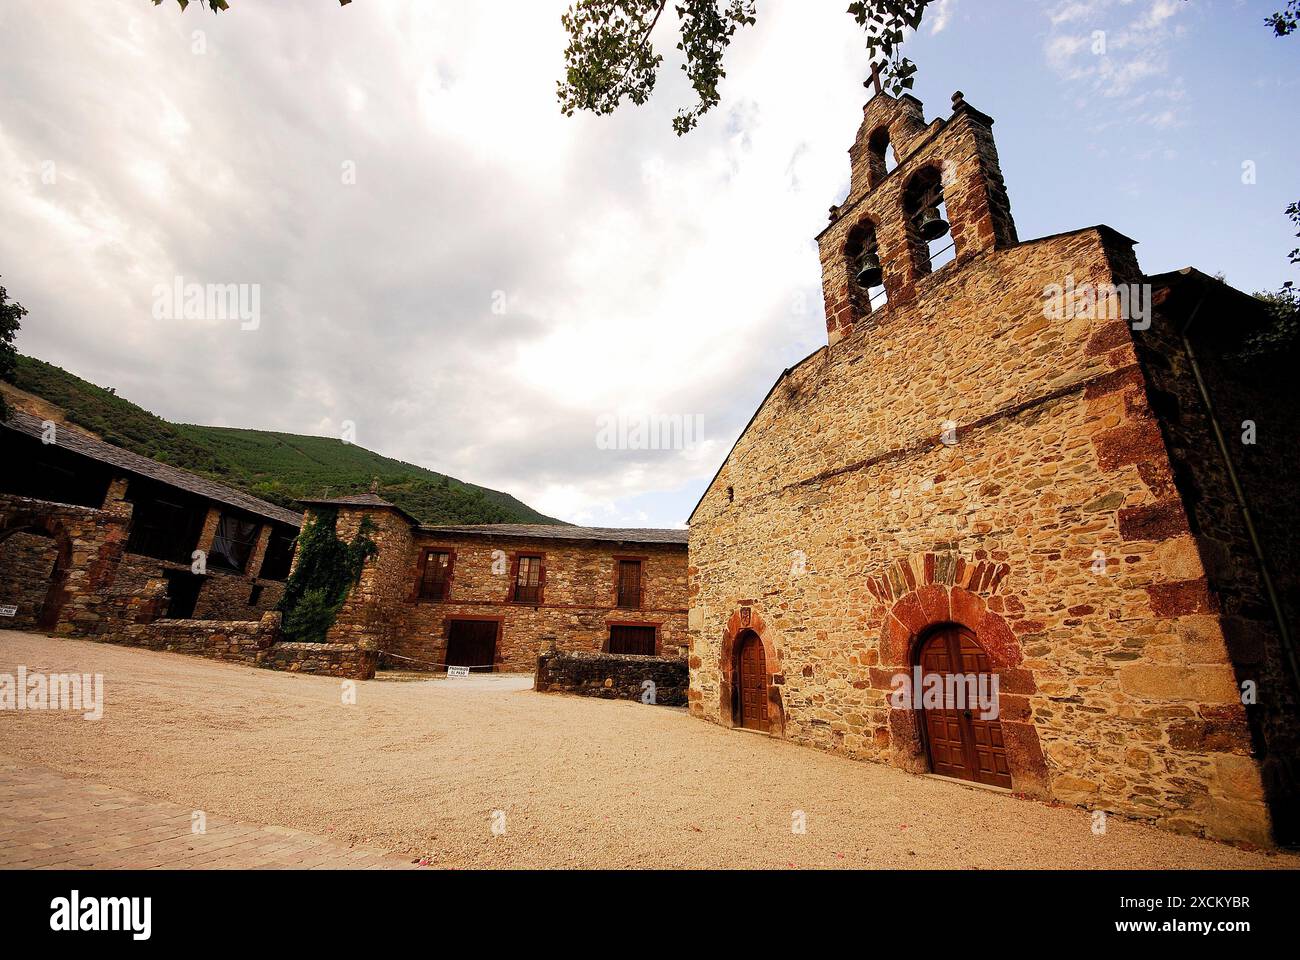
[(869, 272), (931, 225)]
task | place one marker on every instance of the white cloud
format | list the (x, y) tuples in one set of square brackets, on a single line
[(942, 15), (639, 270)]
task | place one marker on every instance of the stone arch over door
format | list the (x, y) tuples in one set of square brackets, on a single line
[(945, 590), (55, 594), (743, 623)]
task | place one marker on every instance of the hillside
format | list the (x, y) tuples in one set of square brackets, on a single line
[(279, 467)]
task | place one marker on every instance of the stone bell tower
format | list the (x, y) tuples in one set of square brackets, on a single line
[(905, 175)]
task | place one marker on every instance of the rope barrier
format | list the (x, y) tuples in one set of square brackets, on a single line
[(430, 663)]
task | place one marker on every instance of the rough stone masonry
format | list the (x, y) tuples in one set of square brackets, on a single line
[(955, 460)]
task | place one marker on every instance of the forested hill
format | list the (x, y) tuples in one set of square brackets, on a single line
[(279, 467)]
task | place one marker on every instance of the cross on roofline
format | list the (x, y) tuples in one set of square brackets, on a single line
[(875, 78)]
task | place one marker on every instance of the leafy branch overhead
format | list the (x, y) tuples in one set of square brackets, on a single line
[(11, 315), (611, 57)]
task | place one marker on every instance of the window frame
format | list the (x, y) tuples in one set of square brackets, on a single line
[(619, 560), (234, 517), (418, 594), (515, 563), (280, 534), (609, 631)]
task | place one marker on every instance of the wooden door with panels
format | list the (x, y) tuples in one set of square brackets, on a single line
[(959, 742)]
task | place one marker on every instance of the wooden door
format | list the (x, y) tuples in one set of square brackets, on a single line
[(472, 643), (752, 682), (638, 641), (960, 744)]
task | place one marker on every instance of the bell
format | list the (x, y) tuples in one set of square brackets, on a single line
[(869, 272), (931, 225)]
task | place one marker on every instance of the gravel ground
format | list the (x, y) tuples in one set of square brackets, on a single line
[(421, 767)]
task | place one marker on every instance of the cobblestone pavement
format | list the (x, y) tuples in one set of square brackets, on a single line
[(52, 821)]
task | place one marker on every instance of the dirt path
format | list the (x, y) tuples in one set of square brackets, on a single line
[(428, 768)]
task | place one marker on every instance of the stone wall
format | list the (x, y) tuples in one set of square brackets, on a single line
[(1242, 391), (254, 643), (578, 600), (368, 619), (843, 526), (613, 677), (232, 640), (322, 659), (88, 547), (227, 596), (26, 568)]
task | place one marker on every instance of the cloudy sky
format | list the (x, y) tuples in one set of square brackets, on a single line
[(474, 280)]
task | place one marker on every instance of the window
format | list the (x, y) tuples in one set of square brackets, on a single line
[(182, 594), (164, 530), (279, 555), (233, 544), (632, 640), (629, 584), (255, 595), (528, 580), (435, 575)]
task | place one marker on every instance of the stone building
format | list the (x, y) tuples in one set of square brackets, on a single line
[(494, 597), (94, 537), (1017, 460)]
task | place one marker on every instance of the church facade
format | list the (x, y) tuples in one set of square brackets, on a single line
[(1009, 467)]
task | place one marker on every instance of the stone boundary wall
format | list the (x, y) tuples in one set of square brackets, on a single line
[(613, 676), (250, 642), (237, 641), (343, 660)]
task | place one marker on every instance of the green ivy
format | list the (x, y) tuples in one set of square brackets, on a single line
[(325, 573)]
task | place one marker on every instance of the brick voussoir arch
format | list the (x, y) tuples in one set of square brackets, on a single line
[(921, 593), (745, 619)]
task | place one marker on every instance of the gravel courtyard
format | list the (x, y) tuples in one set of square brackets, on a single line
[(422, 767)]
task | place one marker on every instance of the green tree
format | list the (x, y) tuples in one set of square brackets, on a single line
[(11, 315), (611, 56), (323, 575), (1286, 21), (1281, 337)]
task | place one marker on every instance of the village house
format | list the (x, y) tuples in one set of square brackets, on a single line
[(495, 596), (96, 541), (93, 537), (992, 470)]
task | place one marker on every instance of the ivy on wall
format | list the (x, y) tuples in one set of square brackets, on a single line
[(326, 571)]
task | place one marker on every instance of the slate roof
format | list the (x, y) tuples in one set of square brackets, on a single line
[(547, 531), (360, 500), (73, 441)]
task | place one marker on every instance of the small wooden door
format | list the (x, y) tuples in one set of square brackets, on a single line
[(961, 744), (752, 663), (472, 643), (639, 641)]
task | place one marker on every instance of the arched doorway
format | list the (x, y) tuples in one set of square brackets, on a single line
[(33, 570), (751, 682), (959, 742)]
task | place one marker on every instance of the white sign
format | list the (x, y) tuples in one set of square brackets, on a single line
[(457, 673), (8, 611)]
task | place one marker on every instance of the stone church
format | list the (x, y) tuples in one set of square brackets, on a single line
[(1021, 460)]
